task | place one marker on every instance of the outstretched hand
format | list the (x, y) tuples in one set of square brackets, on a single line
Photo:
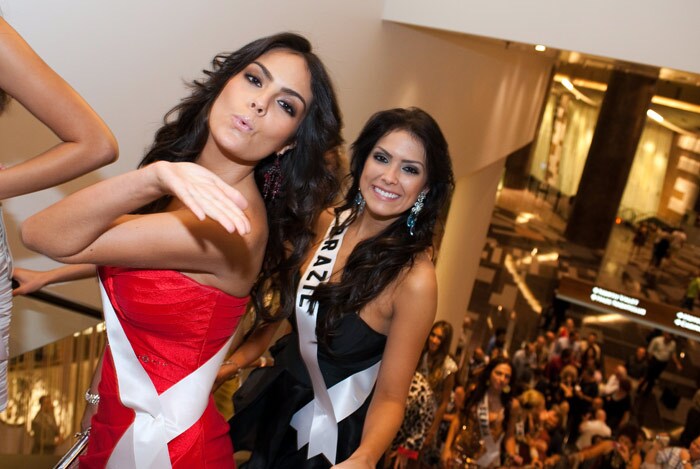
[(205, 194), (29, 280)]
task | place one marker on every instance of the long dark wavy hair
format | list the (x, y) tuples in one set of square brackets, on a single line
[(308, 184), (436, 359), (477, 395), (377, 261)]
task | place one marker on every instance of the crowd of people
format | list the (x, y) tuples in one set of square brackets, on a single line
[(551, 404)]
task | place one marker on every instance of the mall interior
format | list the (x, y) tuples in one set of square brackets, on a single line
[(575, 139)]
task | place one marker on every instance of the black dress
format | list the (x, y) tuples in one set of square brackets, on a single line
[(268, 399)]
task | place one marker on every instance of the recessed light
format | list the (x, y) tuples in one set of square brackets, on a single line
[(540, 48)]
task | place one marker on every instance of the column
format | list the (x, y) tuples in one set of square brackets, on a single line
[(620, 123)]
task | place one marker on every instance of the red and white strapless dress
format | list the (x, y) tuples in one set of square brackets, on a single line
[(174, 325)]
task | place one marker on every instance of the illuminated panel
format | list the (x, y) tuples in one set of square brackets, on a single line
[(656, 315), (687, 321), (617, 300)]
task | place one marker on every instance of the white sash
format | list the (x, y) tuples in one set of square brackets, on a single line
[(159, 418), (317, 422), (493, 450)]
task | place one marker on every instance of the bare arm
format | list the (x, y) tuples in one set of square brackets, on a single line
[(33, 280), (451, 435), (96, 230), (86, 142), (91, 409), (509, 443), (414, 307), (253, 347)]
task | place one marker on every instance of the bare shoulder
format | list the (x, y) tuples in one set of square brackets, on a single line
[(420, 278), (414, 295)]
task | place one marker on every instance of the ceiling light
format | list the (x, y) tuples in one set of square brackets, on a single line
[(655, 116), (567, 84), (540, 48)]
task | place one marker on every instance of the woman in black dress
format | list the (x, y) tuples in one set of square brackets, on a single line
[(360, 311)]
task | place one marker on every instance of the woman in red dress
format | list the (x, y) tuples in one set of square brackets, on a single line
[(180, 242)]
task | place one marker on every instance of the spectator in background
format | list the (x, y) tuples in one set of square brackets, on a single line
[(636, 366), (585, 393), (497, 341), (541, 352), (557, 363), (618, 405), (673, 457), (591, 428), (592, 343), (661, 350), (588, 361), (528, 428), (553, 430), (549, 338), (661, 249), (439, 368), (460, 349), (570, 325), (564, 340), (46, 432), (691, 292), (492, 399), (613, 382), (524, 364), (619, 453), (640, 238)]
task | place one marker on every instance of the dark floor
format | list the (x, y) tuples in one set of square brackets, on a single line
[(525, 255)]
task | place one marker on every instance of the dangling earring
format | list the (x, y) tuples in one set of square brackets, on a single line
[(359, 202), (273, 179), (415, 210)]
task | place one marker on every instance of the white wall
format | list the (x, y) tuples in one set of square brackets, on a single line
[(641, 31), (129, 60)]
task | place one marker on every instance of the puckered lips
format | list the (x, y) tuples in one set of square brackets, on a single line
[(243, 123)]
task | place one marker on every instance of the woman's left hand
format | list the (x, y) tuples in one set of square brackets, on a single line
[(204, 193)]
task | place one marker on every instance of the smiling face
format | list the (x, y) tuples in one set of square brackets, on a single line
[(259, 109), (394, 174), (435, 339)]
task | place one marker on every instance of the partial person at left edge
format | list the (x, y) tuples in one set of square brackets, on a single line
[(86, 144)]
